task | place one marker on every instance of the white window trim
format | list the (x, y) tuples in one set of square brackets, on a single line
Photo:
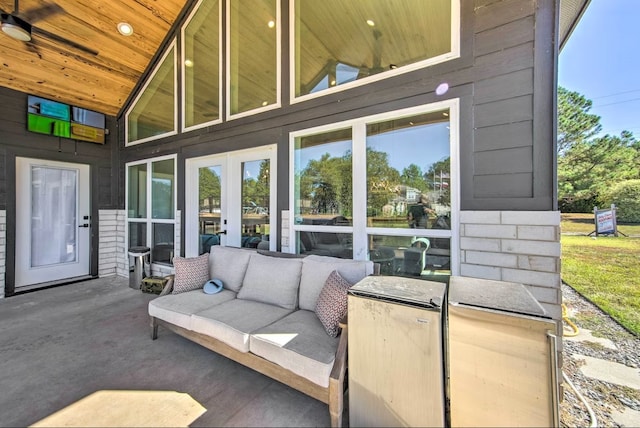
[(182, 70), (228, 191), (278, 102), (452, 54), (359, 229), (128, 143), (148, 219)]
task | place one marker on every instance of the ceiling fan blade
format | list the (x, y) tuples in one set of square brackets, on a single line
[(60, 39), (32, 47), (38, 13)]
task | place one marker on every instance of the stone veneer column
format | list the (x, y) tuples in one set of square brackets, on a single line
[(515, 246), (3, 246), (107, 242)]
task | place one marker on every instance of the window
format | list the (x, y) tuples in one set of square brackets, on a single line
[(201, 66), (151, 202), (253, 58), (153, 113), (382, 187), (339, 44)]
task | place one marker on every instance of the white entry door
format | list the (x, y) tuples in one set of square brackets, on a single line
[(229, 200), (52, 221)]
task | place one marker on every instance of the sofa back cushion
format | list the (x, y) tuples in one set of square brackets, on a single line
[(316, 270), (229, 265), (272, 280)]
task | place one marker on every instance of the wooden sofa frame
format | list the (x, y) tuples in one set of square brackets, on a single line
[(333, 395)]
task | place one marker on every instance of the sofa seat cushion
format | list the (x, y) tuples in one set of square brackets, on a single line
[(299, 343), (232, 322), (316, 270), (272, 280), (177, 308), (229, 265)]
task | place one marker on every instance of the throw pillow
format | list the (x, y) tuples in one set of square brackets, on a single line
[(332, 303), (191, 273)]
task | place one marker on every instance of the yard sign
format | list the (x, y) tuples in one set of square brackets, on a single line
[(605, 221)]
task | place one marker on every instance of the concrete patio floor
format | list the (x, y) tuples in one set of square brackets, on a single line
[(81, 350)]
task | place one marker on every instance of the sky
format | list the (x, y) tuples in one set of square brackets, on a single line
[(601, 60)]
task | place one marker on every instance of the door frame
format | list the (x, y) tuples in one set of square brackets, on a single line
[(230, 194), (85, 245)]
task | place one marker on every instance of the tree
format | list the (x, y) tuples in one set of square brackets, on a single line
[(209, 188), (588, 164), (575, 123), (412, 176)]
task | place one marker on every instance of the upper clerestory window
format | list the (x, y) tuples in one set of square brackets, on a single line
[(153, 113), (338, 44)]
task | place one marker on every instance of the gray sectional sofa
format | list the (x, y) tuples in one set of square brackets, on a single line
[(265, 318)]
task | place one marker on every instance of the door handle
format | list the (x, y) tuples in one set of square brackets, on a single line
[(222, 232), (84, 225)]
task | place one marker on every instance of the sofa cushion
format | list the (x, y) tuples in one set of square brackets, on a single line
[(177, 308), (229, 264), (299, 343), (332, 303), (316, 270), (232, 321), (190, 273), (272, 280)]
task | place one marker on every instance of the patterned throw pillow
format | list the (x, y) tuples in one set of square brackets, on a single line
[(332, 303), (191, 273)]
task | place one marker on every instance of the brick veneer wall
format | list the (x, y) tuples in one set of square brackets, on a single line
[(515, 246), (3, 246)]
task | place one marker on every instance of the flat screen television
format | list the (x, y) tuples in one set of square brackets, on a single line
[(62, 120)]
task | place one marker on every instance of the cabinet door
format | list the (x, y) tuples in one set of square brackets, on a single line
[(395, 365)]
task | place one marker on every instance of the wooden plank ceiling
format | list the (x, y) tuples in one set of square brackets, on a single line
[(59, 71)]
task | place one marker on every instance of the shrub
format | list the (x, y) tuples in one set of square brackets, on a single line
[(626, 196), (577, 205)]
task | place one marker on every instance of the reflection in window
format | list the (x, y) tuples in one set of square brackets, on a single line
[(162, 189), (325, 244), (408, 171), (255, 204), (162, 247), (200, 65), (137, 203), (323, 179), (153, 113), (424, 257), (210, 191), (339, 41), (253, 58)]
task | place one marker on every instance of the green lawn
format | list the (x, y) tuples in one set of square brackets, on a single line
[(606, 270)]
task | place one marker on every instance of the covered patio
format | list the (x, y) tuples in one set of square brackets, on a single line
[(81, 355)]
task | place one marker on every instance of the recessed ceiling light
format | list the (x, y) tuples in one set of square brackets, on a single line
[(125, 28), (445, 114), (188, 63), (271, 24), (370, 23)]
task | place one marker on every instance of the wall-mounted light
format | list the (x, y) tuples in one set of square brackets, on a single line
[(265, 103), (125, 28), (188, 63), (271, 24)]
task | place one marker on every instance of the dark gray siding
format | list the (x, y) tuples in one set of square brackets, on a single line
[(505, 79), (16, 141)]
